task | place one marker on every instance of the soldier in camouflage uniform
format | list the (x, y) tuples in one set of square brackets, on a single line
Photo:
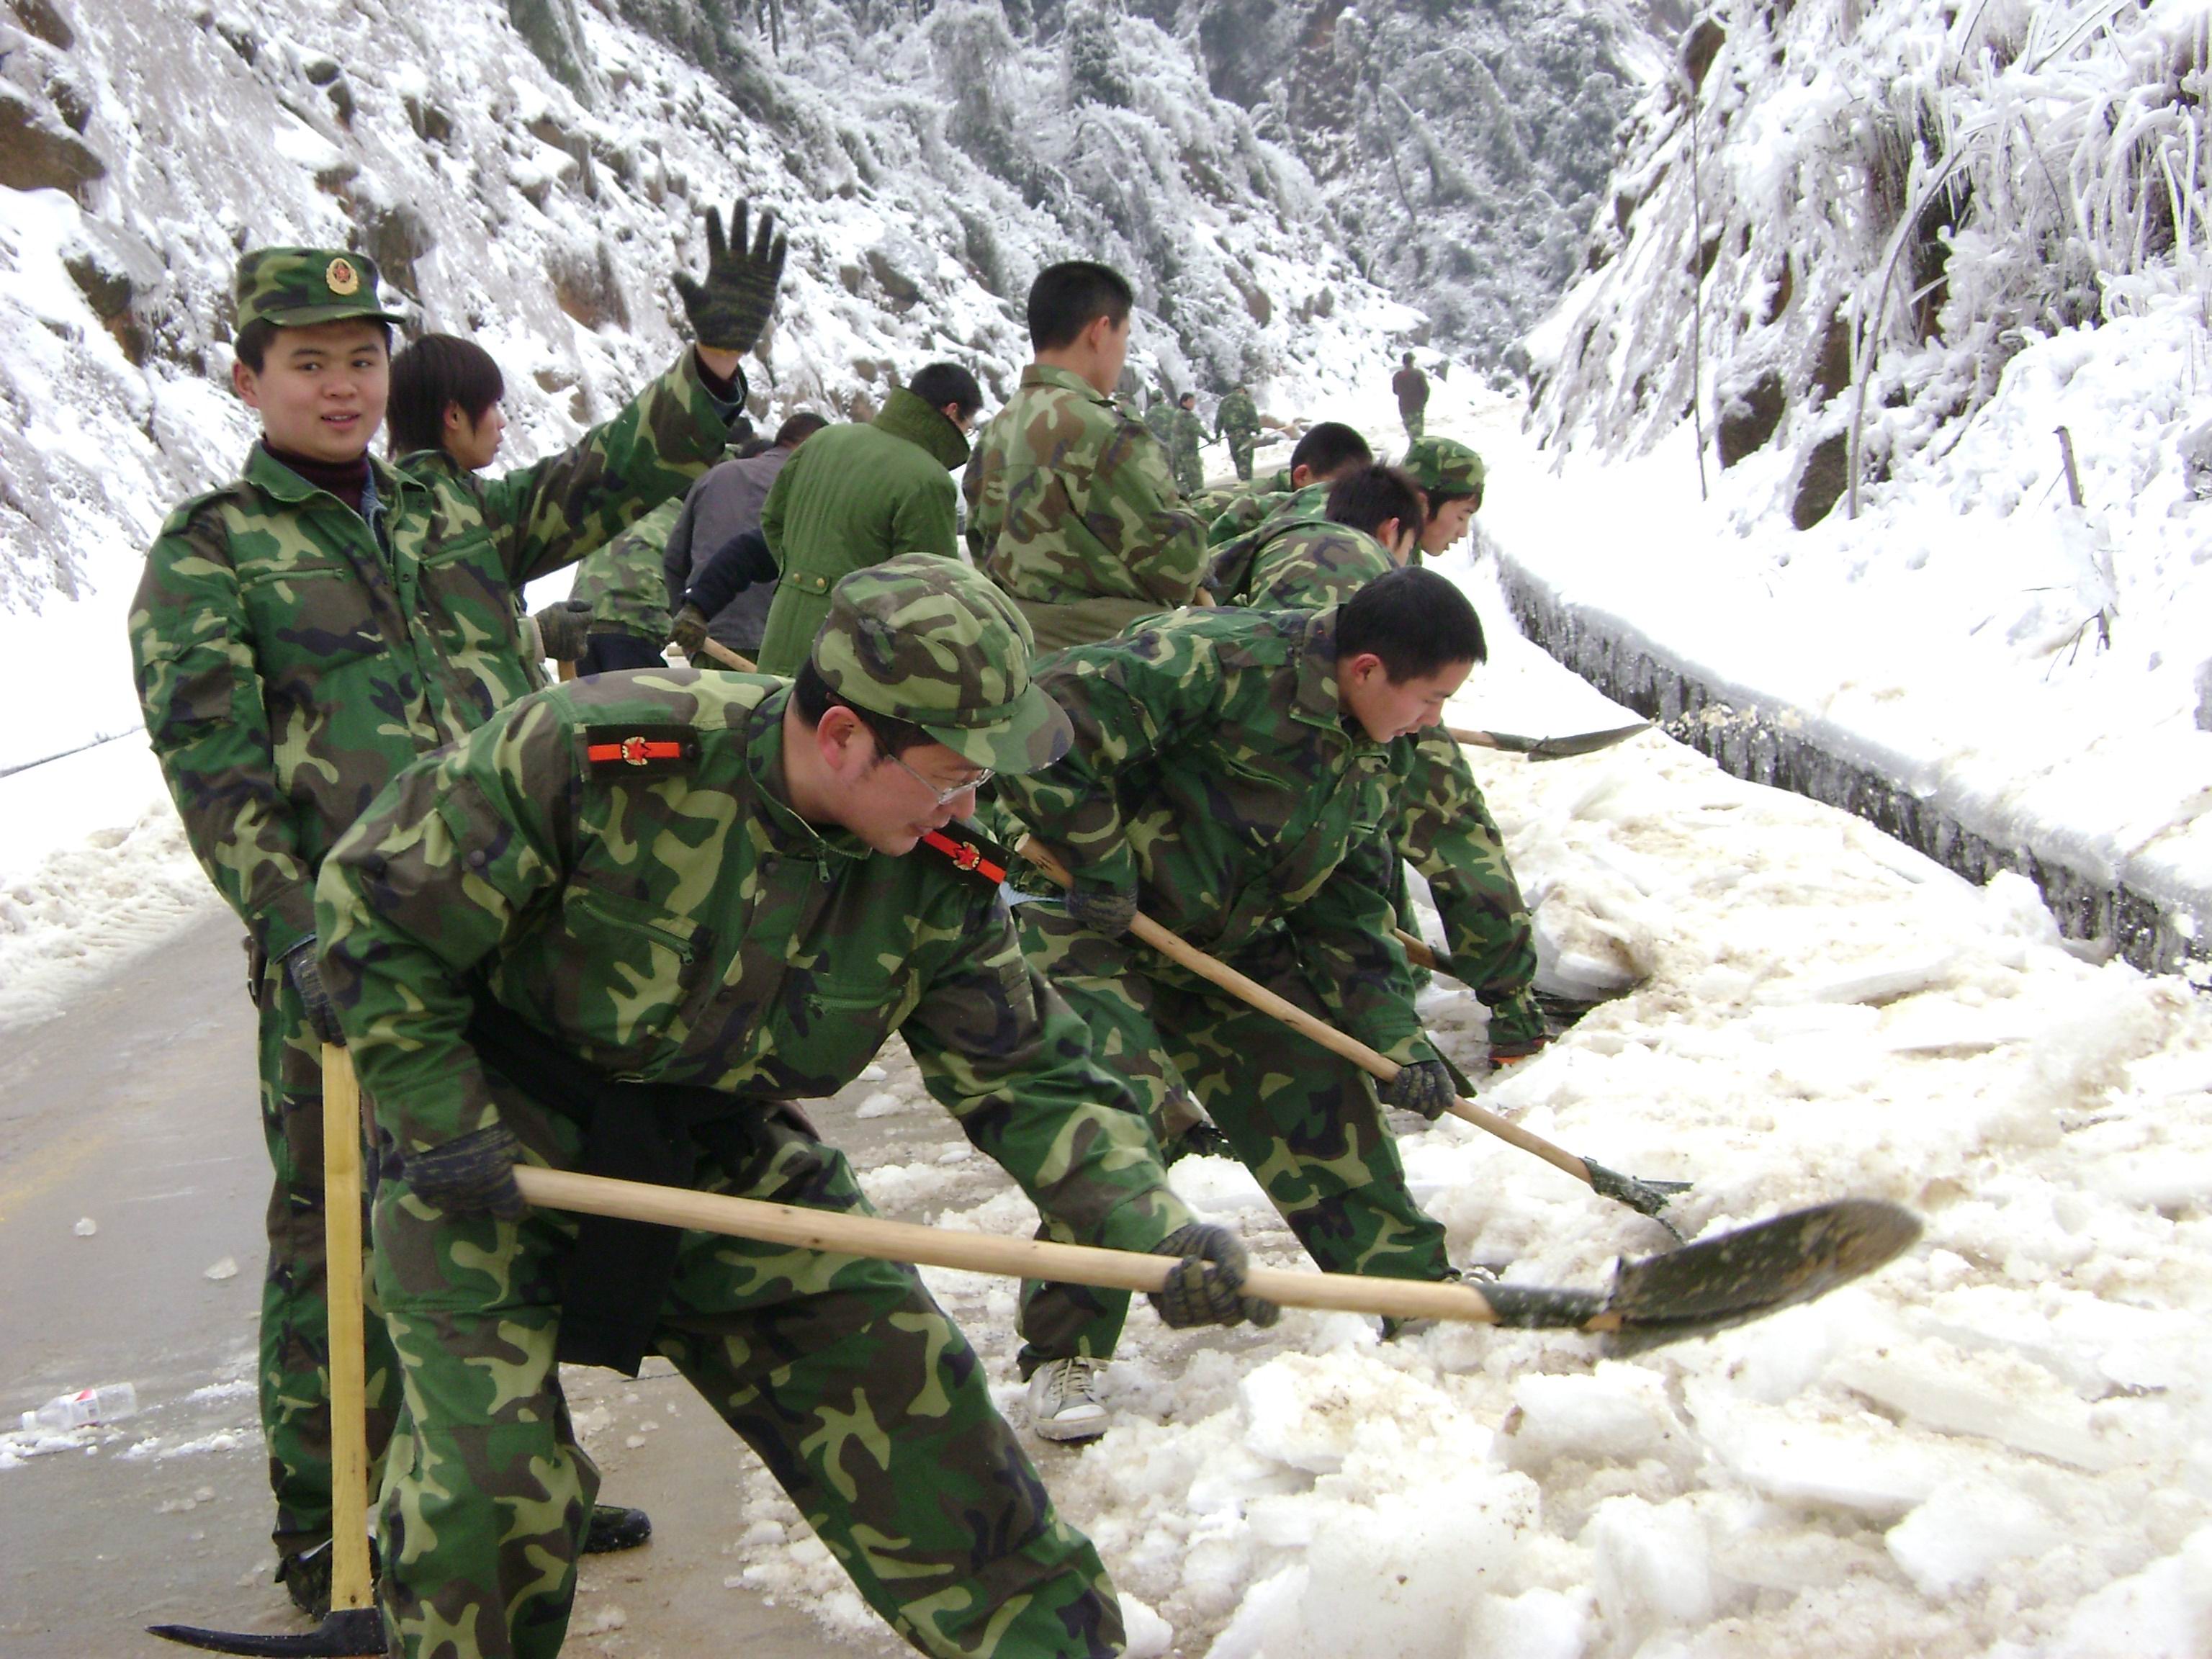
[(1493, 943), (1159, 417), (303, 633), (1238, 420), (1188, 438), (1329, 451), (1232, 774), (1071, 508), (1445, 828), (617, 615), (631, 918)]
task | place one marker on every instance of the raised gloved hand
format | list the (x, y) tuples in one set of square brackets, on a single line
[(306, 976), (1206, 1287), (1108, 910), (688, 632), (1426, 1086), (474, 1175), (564, 629), (729, 309)]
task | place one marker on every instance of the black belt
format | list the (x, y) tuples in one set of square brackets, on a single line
[(617, 1273)]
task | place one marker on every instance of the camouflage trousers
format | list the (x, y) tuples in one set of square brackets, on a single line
[(294, 1353), (862, 1398), (1241, 445), (1416, 421), (1446, 832), (1190, 470), (1305, 1122)]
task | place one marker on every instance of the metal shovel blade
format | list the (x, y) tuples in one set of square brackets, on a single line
[(1753, 1272), (1578, 742), (344, 1631)]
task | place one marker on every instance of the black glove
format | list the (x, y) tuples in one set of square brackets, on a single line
[(1108, 910), (564, 629), (473, 1175), (688, 633), (1206, 1285), (306, 976), (1426, 1087), (729, 308)]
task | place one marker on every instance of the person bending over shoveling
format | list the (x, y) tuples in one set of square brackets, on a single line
[(1232, 776), (620, 928)]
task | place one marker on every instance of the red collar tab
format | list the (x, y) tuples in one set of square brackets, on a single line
[(965, 856)]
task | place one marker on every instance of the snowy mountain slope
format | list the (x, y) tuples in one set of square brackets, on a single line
[(170, 135), (1988, 220)]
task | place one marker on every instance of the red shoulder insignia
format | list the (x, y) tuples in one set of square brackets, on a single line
[(614, 751)]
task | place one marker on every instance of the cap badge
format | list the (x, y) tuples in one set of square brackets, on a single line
[(342, 277)]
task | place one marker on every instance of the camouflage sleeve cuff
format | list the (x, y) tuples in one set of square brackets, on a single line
[(728, 397), (288, 923)]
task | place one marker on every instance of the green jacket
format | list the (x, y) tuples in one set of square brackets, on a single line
[(852, 497), (1189, 435), (1251, 511), (1216, 772), (291, 659), (1159, 419), (672, 920), (1297, 564), (1069, 499), (623, 581), (1237, 417), (437, 469)]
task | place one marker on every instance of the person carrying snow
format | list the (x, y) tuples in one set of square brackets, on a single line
[(303, 633), (861, 493), (621, 928), (1231, 774), (1070, 507)]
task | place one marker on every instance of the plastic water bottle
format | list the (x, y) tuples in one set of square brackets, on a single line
[(105, 1404)]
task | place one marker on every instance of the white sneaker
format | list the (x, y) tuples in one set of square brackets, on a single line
[(1064, 1400)]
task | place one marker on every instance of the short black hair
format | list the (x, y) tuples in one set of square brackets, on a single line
[(1370, 497), (438, 370), (1066, 297), (812, 695), (1417, 622), (797, 429), (1188, 398), (1330, 448), (939, 384), (1408, 360), (253, 341)]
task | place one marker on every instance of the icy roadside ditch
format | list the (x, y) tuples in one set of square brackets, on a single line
[(1766, 741)]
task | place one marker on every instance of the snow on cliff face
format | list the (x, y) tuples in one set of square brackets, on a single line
[(148, 144)]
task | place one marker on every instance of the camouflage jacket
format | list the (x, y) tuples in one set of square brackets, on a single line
[(1251, 511), (440, 471), (291, 659), (624, 582), (616, 865), (1215, 772), (1069, 499), (1189, 434), (1159, 419), (1296, 564), (1237, 417), (850, 497)]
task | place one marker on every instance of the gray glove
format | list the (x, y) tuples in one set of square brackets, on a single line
[(688, 632), (1206, 1287), (474, 1175), (1426, 1086), (306, 976), (1108, 910), (729, 308), (564, 629)]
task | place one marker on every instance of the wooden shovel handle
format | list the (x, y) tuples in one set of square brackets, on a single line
[(1468, 735), (349, 1585), (1337, 1042), (729, 659), (841, 1233)]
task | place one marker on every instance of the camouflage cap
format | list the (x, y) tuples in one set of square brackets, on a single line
[(295, 287), (1438, 465), (925, 639)]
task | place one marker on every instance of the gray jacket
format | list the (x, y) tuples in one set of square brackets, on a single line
[(723, 505)]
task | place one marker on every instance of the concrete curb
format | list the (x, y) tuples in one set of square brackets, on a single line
[(1775, 744)]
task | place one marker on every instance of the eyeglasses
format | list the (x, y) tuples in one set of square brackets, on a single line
[(944, 795)]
